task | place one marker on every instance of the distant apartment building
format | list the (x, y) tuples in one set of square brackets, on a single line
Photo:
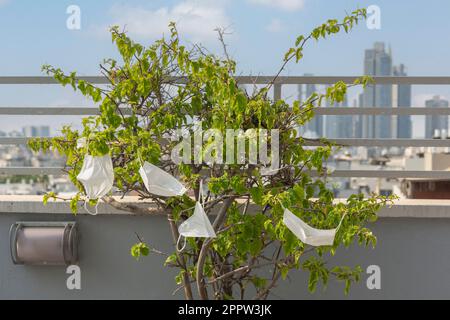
[(377, 62), (436, 123), (403, 97), (15, 134), (427, 188), (36, 131)]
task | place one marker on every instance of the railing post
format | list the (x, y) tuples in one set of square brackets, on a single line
[(277, 91), (394, 118)]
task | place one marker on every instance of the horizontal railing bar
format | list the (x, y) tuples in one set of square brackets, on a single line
[(313, 143), (76, 111), (25, 171), (382, 111), (389, 174), (13, 140), (47, 80), (337, 173), (384, 142), (425, 80), (309, 142), (50, 111)]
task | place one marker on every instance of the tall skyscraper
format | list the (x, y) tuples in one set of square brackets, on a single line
[(433, 123), (377, 62), (315, 126), (358, 119), (403, 101)]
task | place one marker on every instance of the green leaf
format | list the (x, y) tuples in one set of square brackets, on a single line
[(284, 272), (312, 282), (139, 249), (289, 54), (257, 194), (299, 40), (348, 283), (298, 54)]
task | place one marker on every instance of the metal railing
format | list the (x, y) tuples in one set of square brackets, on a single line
[(277, 92)]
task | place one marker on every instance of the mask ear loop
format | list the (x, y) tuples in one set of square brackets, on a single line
[(88, 211), (340, 222), (201, 197), (178, 243), (272, 171)]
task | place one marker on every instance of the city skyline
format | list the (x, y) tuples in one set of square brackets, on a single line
[(377, 62), (28, 131), (257, 44)]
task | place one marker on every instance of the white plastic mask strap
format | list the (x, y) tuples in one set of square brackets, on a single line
[(277, 169), (88, 211), (178, 243), (201, 197), (340, 222)]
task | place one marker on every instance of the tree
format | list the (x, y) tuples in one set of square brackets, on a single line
[(163, 87)]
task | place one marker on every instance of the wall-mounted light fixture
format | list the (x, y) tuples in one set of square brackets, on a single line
[(44, 243)]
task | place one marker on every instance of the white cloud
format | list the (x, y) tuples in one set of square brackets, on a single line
[(3, 2), (275, 25), (195, 19), (287, 5)]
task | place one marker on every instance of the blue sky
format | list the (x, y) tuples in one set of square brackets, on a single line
[(34, 32)]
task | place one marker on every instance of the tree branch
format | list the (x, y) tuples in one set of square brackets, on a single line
[(133, 208)]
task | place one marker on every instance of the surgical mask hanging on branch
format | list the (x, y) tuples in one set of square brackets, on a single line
[(306, 233), (97, 177), (197, 225), (159, 182)]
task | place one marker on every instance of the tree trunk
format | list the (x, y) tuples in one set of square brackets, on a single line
[(201, 286)]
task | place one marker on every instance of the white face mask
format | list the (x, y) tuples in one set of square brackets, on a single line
[(159, 182), (97, 176), (197, 225), (306, 233)]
